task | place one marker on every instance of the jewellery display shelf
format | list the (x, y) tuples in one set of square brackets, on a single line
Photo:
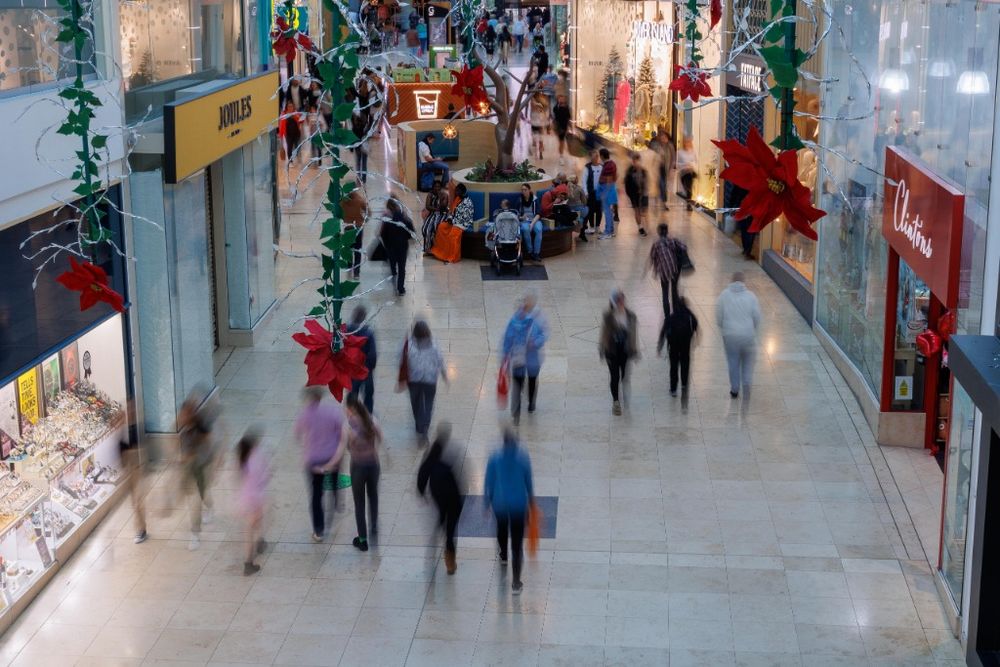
[(56, 486)]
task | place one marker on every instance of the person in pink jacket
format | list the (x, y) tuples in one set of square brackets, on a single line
[(254, 477)]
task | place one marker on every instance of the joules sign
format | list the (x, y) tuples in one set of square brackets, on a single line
[(922, 221)]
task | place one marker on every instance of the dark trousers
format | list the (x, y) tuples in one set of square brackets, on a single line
[(422, 402), (669, 288), (511, 524), (594, 211), (663, 186), (316, 505), (746, 236), (366, 389), (680, 360), (515, 398), (397, 265), (617, 366), (364, 481), (449, 512), (687, 182)]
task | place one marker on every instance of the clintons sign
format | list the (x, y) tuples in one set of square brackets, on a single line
[(922, 221)]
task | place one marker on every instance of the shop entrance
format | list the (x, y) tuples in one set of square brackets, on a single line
[(922, 223), (987, 639), (742, 113)]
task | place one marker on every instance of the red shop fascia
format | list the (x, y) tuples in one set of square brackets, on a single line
[(922, 224)]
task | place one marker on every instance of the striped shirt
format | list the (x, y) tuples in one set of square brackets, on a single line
[(663, 254)]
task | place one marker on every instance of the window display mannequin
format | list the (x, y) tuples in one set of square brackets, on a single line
[(622, 101)]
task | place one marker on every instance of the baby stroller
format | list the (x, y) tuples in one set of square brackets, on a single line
[(506, 241)]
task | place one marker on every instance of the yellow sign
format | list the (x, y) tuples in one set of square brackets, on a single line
[(27, 397), (199, 131)]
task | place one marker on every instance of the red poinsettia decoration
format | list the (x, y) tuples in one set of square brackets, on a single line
[(324, 366), (92, 283), (691, 82), (715, 9), (771, 182), (286, 41), (469, 85)]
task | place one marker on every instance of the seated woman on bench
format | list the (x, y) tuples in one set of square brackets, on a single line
[(531, 223)]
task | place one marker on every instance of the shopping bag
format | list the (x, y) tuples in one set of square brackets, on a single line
[(535, 518), (684, 262), (503, 385)]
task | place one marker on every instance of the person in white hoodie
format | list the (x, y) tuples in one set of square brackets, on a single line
[(737, 313)]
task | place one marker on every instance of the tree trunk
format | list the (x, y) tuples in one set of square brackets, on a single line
[(505, 146)]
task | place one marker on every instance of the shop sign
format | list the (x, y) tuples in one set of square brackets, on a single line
[(749, 75), (27, 398), (427, 103), (200, 130), (653, 31), (922, 221)]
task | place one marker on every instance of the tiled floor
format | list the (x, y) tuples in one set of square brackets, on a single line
[(725, 533)]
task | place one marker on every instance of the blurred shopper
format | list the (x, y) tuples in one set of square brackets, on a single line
[(561, 119), (197, 458), (687, 168), (592, 185), (509, 493), (365, 388), (737, 312), (438, 472), (522, 348), (520, 28), (506, 41), (128, 449), (636, 188), (355, 208), (609, 193), (421, 364), (397, 231), (679, 328), (319, 427), (664, 259), (254, 477), (363, 439), (663, 145), (618, 344)]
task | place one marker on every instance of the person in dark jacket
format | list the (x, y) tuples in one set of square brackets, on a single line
[(438, 472), (397, 232), (619, 344), (636, 187), (365, 388), (678, 329)]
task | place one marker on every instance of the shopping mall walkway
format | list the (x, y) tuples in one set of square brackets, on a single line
[(726, 534)]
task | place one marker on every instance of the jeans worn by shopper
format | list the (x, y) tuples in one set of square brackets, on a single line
[(364, 482), (741, 353), (422, 403)]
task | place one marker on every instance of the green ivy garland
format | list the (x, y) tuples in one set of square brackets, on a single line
[(83, 102), (783, 60)]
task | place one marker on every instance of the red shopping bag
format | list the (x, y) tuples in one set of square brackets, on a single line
[(534, 531), (503, 385)]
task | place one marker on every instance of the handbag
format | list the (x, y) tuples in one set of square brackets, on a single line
[(404, 368), (503, 385), (684, 262), (534, 531)]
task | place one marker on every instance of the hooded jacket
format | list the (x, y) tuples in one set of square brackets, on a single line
[(737, 312), (508, 486), (523, 340)]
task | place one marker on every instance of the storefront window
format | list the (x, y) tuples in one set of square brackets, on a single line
[(912, 312), (957, 488), (920, 60), (624, 58), (798, 251), (29, 53), (172, 45), (176, 319)]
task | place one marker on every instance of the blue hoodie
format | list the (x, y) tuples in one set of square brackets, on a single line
[(508, 485), (523, 340)]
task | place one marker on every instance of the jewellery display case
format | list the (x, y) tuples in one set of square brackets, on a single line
[(61, 422)]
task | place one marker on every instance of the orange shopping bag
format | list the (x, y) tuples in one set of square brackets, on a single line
[(535, 518), (503, 385)]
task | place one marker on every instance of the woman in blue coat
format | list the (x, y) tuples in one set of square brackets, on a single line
[(522, 349)]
